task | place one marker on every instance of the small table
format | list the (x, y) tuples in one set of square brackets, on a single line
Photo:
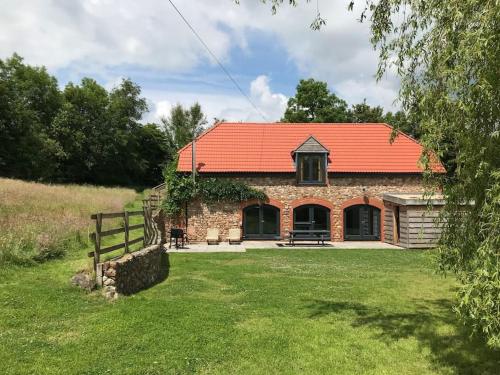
[(305, 235)]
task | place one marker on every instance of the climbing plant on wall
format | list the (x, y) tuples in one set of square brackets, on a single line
[(181, 188)]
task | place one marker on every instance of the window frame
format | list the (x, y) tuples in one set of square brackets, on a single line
[(323, 173)]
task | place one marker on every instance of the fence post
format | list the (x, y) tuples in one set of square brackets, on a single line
[(144, 217), (146, 229), (125, 217), (97, 242)]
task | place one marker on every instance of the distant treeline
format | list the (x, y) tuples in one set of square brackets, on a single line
[(87, 134), (314, 102), (82, 134)]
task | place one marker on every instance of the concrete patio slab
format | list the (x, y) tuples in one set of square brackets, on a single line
[(224, 247)]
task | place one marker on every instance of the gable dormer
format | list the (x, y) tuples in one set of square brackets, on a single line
[(311, 161)]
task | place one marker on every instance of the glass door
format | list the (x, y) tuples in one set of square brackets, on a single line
[(311, 217), (362, 223), (261, 222)]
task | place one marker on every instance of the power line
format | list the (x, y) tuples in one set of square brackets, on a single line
[(218, 61)]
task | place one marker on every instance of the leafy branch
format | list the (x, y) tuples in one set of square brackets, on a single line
[(181, 188)]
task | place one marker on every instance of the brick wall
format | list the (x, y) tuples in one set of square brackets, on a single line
[(283, 192)]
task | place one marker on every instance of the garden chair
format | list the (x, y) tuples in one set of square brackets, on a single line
[(234, 235), (212, 236)]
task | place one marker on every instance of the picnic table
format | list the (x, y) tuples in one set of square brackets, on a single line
[(308, 235)]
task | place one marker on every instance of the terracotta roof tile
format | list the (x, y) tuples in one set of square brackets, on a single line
[(268, 147)]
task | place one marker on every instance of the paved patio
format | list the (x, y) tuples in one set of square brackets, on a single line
[(224, 247)]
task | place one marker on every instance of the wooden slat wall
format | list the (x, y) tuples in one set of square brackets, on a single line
[(423, 229), (389, 224), (418, 226), (403, 226)]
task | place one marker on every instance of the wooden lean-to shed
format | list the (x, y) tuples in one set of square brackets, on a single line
[(412, 220)]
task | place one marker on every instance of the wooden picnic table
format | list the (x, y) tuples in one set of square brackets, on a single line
[(306, 235)]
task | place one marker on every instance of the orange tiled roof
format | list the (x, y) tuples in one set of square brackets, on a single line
[(268, 147)]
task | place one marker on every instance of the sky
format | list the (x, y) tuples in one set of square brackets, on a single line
[(149, 43)]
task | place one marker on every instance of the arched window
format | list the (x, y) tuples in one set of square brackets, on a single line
[(261, 222), (362, 223)]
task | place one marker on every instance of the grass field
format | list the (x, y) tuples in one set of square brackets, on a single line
[(261, 312), (39, 221)]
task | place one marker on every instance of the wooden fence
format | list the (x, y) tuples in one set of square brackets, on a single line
[(153, 202), (150, 232), (155, 198)]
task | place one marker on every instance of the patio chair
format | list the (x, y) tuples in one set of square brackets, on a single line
[(234, 235), (212, 236)]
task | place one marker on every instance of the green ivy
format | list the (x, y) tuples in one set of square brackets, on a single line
[(180, 189)]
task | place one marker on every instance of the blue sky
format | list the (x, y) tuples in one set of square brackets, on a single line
[(148, 42)]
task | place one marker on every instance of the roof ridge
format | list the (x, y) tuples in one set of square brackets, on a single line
[(302, 123)]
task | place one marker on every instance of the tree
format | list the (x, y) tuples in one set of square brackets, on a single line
[(400, 121), (447, 55), (84, 134), (29, 99), (155, 154), (217, 120), (183, 125), (313, 102), (80, 128), (364, 113), (126, 166), (102, 140)]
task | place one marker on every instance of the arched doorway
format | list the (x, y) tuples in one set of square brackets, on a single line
[(361, 223), (311, 217), (261, 222)]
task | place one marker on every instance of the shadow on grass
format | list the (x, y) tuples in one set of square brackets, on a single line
[(432, 323)]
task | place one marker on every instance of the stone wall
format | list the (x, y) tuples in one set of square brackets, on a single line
[(340, 192), (135, 271)]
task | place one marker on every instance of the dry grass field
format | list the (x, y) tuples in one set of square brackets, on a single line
[(39, 221)]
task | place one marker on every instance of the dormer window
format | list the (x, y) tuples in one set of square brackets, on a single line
[(311, 160), (311, 168)]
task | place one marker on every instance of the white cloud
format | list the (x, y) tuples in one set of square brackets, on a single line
[(113, 82), (272, 105), (163, 108), (354, 91), (340, 53), (105, 32), (93, 36), (222, 106)]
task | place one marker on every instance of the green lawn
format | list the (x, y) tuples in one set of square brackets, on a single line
[(265, 311)]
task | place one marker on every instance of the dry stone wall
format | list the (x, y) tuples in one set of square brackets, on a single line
[(135, 271), (283, 192)]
